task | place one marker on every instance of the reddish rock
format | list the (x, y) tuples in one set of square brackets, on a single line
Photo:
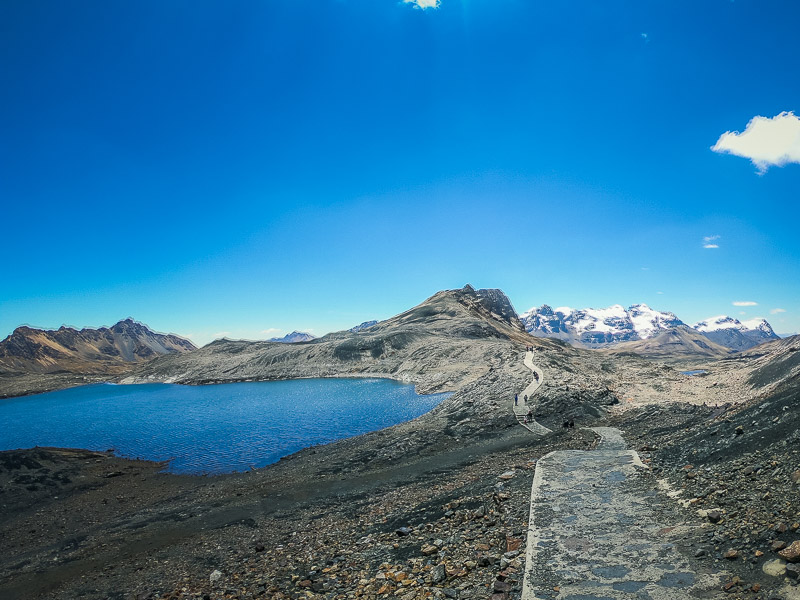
[(513, 544), (731, 554)]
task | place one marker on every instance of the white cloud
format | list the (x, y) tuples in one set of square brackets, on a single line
[(766, 142), (270, 331), (776, 311), (424, 3), (645, 37), (708, 241), (745, 303), (659, 292)]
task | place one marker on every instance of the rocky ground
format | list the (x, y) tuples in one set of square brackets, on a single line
[(89, 525), (16, 384), (737, 468)]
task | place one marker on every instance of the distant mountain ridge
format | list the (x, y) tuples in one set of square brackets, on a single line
[(362, 326), (597, 328), (293, 338), (104, 350), (673, 345), (735, 334)]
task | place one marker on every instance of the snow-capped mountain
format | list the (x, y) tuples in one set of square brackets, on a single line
[(726, 322), (594, 328), (732, 333), (293, 338)]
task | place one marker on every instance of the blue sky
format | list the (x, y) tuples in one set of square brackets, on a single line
[(249, 168)]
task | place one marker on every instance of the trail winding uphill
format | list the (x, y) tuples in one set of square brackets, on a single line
[(522, 407), (599, 530)]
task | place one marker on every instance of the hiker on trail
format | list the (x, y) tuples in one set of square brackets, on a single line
[(516, 398), (526, 398), (529, 416)]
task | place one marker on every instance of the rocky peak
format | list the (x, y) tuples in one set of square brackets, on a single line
[(362, 326), (546, 310), (491, 303), (293, 338)]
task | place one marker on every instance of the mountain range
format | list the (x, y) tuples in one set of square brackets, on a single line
[(597, 328), (105, 350), (33, 360)]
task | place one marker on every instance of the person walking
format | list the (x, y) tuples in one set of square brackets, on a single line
[(516, 398)]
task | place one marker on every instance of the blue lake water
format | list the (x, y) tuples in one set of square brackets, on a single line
[(693, 373), (211, 428)]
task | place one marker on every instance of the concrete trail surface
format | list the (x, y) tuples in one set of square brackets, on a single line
[(521, 408), (594, 531)]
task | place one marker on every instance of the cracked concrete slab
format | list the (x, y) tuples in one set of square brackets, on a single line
[(598, 531)]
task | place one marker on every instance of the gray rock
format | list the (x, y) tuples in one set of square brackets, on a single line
[(438, 574)]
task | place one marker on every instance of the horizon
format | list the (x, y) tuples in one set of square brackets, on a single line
[(277, 334), (248, 170)]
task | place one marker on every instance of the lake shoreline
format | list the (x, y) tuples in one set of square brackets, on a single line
[(118, 511), (212, 429)]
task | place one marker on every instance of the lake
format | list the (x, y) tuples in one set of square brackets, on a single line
[(211, 428)]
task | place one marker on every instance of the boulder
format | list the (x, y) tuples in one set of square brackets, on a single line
[(792, 553)]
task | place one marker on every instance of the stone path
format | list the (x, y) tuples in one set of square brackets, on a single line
[(596, 531), (521, 408)]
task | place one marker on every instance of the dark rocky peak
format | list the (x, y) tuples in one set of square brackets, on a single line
[(130, 326), (546, 310), (491, 303)]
